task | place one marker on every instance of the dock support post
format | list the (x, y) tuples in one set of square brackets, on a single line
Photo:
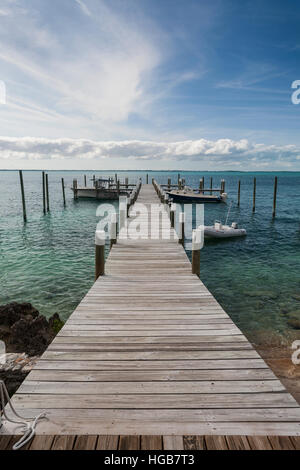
[(23, 195), (113, 230), (63, 190), (44, 192), (254, 194), (181, 227), (47, 193), (94, 180), (172, 214), (99, 253), (222, 186), (116, 178), (74, 188), (118, 187), (126, 183), (147, 179), (211, 185), (178, 180), (169, 184), (196, 238), (85, 181), (239, 193), (274, 197)]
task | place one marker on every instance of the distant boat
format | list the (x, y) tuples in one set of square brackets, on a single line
[(187, 194)]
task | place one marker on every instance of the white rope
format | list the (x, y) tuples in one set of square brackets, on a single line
[(29, 424)]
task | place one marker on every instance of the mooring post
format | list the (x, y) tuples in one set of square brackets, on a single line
[(274, 197), (222, 186), (99, 253), (116, 178), (94, 180), (172, 214), (113, 229), (44, 192), (181, 227), (254, 194), (47, 193), (75, 188), (122, 213), (178, 180), (63, 190), (169, 184), (118, 187), (147, 179), (126, 183), (211, 185), (23, 195), (179, 184), (239, 192), (196, 245), (201, 186), (85, 181)]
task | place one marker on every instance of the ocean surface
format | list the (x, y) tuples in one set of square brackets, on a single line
[(49, 261)]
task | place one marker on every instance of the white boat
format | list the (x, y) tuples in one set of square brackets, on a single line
[(224, 231)]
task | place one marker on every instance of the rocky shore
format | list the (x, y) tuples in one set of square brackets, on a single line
[(26, 335)]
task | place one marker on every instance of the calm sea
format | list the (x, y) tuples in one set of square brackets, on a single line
[(49, 261)]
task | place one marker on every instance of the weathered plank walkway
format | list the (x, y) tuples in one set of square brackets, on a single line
[(149, 351)]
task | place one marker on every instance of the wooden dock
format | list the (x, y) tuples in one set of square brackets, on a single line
[(149, 352)]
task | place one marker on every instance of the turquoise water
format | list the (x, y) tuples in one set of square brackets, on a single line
[(49, 261)]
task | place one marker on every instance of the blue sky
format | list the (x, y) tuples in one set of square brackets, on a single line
[(155, 84)]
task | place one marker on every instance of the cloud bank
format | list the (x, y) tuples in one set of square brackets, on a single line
[(222, 151)]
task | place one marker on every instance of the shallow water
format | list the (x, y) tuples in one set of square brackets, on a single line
[(49, 261)]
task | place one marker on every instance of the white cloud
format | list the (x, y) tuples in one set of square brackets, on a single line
[(224, 151)]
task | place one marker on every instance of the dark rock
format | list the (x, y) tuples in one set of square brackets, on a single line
[(294, 323), (23, 329)]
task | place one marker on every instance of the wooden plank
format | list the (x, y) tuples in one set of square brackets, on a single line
[(41, 443), (63, 442), (129, 443), (157, 401), (4, 442), (295, 441), (173, 443), (151, 442), (87, 442), (259, 443), (194, 443), (237, 443), (107, 442), (216, 443), (99, 388), (281, 443)]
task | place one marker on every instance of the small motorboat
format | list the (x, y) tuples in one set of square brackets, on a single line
[(224, 231), (188, 195)]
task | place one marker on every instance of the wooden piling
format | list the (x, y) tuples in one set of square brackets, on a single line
[(196, 252), (172, 214), (211, 185), (126, 183), (47, 193), (274, 197), (147, 179), (23, 195), (99, 253), (254, 194), (85, 181), (169, 184), (181, 227), (75, 188), (239, 193), (63, 190), (118, 187), (178, 179), (44, 192)]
